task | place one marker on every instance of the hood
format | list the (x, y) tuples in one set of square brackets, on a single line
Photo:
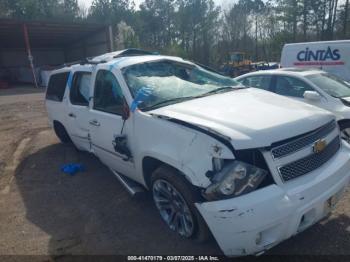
[(251, 118)]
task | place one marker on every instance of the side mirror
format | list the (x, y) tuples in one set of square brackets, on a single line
[(312, 95), (126, 111)]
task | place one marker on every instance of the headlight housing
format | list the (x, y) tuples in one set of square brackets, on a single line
[(235, 179)]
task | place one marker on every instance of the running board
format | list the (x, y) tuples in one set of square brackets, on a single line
[(131, 186)]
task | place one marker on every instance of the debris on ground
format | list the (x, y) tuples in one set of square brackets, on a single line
[(72, 169)]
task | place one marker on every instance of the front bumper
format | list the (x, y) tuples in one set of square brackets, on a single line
[(255, 222)]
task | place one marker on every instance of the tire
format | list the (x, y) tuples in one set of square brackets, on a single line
[(185, 197), (345, 130), (61, 133), (345, 134)]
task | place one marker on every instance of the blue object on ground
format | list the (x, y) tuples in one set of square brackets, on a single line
[(72, 169)]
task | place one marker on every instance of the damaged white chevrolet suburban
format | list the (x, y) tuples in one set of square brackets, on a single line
[(251, 167)]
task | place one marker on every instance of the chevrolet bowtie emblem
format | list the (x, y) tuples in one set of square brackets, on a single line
[(319, 146)]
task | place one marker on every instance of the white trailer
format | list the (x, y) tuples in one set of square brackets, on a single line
[(330, 56)]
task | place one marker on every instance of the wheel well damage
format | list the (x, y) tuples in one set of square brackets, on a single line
[(150, 164)]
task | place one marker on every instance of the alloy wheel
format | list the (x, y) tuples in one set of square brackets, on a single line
[(173, 208)]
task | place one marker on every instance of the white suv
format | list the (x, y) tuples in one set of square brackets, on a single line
[(251, 167)]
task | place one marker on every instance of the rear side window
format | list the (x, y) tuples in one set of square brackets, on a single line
[(262, 82), (57, 86), (80, 91)]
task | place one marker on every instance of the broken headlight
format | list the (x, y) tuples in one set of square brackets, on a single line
[(218, 164), (235, 179)]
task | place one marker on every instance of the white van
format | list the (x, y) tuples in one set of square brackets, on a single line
[(330, 56)]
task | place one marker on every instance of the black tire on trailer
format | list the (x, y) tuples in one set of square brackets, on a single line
[(172, 193)]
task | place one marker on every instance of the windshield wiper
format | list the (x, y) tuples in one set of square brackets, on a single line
[(167, 102)]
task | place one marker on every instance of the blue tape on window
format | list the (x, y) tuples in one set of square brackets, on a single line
[(70, 80), (141, 96)]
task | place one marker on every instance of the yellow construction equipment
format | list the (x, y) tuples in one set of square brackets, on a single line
[(238, 64)]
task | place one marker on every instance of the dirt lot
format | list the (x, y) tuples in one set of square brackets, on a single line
[(43, 211)]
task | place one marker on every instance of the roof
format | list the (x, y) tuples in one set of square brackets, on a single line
[(118, 60), (122, 62), (122, 53), (44, 34)]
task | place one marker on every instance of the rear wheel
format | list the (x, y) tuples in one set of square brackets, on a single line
[(61, 133), (174, 198)]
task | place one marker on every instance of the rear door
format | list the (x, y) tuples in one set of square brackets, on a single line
[(78, 109), (106, 123), (56, 94)]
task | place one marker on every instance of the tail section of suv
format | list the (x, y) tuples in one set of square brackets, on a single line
[(251, 167)]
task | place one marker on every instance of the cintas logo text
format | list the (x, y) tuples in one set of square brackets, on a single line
[(319, 55)]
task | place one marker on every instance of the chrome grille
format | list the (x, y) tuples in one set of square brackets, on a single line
[(310, 163), (304, 141)]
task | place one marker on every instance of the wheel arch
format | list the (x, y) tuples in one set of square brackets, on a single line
[(151, 163), (344, 123), (57, 123)]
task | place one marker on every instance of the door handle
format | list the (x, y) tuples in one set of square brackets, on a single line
[(72, 115), (94, 122)]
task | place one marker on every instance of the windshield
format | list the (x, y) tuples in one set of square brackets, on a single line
[(331, 84), (167, 82)]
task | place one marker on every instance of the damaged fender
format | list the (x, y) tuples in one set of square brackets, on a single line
[(192, 153)]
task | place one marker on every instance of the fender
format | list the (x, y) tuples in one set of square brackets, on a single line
[(193, 152)]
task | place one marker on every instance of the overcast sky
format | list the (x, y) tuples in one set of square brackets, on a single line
[(87, 3)]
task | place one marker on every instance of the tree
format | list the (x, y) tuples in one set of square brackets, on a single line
[(126, 37), (70, 9), (345, 19), (111, 11), (41, 9)]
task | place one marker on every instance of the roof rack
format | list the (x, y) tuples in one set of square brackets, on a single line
[(86, 61), (110, 56)]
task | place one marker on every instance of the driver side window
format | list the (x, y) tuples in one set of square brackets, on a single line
[(290, 86), (108, 96)]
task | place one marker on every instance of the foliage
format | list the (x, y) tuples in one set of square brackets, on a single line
[(199, 29)]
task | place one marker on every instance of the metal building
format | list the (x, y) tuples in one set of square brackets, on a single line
[(30, 49)]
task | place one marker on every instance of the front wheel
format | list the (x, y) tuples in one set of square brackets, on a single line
[(174, 198)]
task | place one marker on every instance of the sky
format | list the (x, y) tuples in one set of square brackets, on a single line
[(87, 3)]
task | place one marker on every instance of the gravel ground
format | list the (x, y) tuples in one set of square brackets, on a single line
[(44, 212)]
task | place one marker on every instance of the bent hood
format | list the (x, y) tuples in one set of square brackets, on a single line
[(251, 118)]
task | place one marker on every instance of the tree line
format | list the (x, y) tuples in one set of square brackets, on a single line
[(200, 30)]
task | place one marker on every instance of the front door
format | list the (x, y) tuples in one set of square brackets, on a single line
[(295, 88), (107, 125)]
